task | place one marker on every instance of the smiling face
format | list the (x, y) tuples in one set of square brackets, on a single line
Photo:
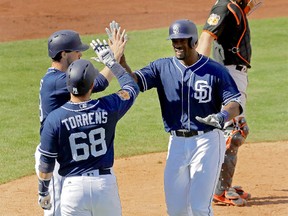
[(181, 48)]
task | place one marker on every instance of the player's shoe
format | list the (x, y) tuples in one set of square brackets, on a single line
[(242, 193), (230, 197)]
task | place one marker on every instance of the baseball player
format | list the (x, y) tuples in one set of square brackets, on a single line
[(197, 96), (80, 136), (64, 47), (227, 26)]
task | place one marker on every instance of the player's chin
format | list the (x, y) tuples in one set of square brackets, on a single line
[(179, 55)]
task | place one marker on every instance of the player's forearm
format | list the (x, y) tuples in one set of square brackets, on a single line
[(205, 44), (124, 64), (233, 109), (45, 176), (127, 68), (43, 183), (123, 77), (107, 74)]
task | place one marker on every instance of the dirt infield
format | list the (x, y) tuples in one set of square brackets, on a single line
[(31, 19), (262, 167), (262, 171)]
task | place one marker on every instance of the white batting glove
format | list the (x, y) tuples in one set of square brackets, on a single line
[(104, 53), (216, 120), (44, 201), (114, 26)]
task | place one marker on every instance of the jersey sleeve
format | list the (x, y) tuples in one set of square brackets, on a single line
[(217, 18), (148, 76), (53, 93), (229, 88), (49, 142), (122, 100), (100, 83)]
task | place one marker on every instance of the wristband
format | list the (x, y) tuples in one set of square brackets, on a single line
[(224, 116), (43, 185)]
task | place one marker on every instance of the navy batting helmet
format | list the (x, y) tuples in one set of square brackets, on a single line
[(80, 76), (65, 40), (183, 29)]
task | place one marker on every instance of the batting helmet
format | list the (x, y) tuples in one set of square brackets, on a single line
[(183, 29), (65, 40), (80, 76)]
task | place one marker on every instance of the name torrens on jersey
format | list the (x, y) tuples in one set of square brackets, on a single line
[(85, 119)]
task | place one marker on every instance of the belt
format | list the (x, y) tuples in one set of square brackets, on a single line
[(186, 133), (242, 68), (97, 172)]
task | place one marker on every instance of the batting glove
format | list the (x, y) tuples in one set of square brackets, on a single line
[(104, 53), (114, 26), (44, 201), (215, 120)]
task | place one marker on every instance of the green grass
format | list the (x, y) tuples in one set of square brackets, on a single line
[(23, 63)]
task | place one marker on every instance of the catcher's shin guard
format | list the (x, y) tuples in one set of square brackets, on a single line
[(235, 136)]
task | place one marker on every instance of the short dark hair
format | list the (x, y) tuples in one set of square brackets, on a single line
[(58, 56)]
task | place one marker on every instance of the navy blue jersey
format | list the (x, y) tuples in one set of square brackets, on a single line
[(81, 135), (186, 92), (54, 93)]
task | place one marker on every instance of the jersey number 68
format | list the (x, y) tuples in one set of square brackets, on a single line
[(95, 147)]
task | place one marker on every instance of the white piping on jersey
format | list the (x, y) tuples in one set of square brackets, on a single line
[(127, 87), (235, 98), (86, 108), (48, 154), (189, 89), (190, 85), (145, 86), (182, 88), (131, 90)]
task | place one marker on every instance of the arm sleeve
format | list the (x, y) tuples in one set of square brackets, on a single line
[(125, 79), (229, 87), (48, 146), (100, 83), (217, 18), (147, 77)]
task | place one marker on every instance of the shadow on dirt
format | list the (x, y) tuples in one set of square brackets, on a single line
[(268, 200)]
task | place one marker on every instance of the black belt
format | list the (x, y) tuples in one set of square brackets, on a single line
[(97, 172), (183, 133), (104, 171)]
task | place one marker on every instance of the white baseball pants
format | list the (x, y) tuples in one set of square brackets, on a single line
[(191, 173)]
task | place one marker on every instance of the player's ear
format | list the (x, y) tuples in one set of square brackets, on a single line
[(64, 54)]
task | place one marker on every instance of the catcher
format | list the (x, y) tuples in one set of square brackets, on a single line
[(227, 26)]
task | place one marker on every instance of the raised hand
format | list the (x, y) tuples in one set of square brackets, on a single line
[(114, 28), (104, 53)]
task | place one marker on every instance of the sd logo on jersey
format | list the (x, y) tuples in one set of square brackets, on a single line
[(123, 94), (213, 19), (203, 91)]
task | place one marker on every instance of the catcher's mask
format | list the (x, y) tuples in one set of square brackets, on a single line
[(80, 77), (65, 40), (182, 29)]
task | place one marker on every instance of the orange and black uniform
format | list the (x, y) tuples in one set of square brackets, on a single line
[(228, 24)]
